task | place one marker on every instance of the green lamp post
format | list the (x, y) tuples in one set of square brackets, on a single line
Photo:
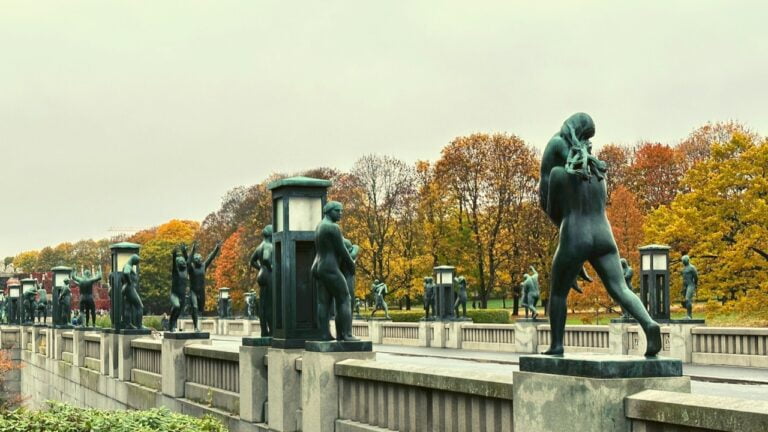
[(654, 280), (60, 274), (121, 252), (224, 302), (297, 208), (444, 295)]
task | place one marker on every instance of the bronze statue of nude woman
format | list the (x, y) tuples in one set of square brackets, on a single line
[(573, 194)]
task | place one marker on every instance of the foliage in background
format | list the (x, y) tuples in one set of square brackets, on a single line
[(64, 417)]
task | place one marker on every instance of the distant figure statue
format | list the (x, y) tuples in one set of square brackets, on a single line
[(461, 296), (690, 283), (196, 270), (3, 305), (379, 291), (87, 305), (354, 251), (65, 302), (42, 303), (333, 264), (429, 295), (261, 260), (179, 288), (28, 309), (628, 273), (573, 193), (357, 308), (250, 305), (531, 293), (129, 288)]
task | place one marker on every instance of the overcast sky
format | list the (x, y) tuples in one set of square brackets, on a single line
[(130, 113)]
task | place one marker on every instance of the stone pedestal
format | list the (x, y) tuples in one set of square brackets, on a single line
[(425, 330), (57, 343), (253, 379), (526, 338), (104, 354), (681, 338), (585, 392), (124, 355), (439, 336), (173, 367), (285, 393), (453, 334), (618, 336), (78, 347), (10, 337), (375, 332), (320, 389)]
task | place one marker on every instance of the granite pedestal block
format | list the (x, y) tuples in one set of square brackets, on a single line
[(257, 341), (186, 335), (285, 397), (338, 346), (586, 392)]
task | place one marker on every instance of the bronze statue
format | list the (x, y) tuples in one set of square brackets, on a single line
[(179, 287), (429, 296), (87, 305), (250, 305), (573, 194), (531, 293), (262, 261), (196, 270), (28, 309), (42, 303), (690, 283), (354, 251), (333, 263), (461, 296), (379, 291), (65, 303), (628, 273), (133, 307)]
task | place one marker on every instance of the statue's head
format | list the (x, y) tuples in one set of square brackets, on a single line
[(624, 263), (375, 281), (66, 282), (134, 259), (267, 231), (686, 260), (181, 264), (87, 274), (333, 210), (579, 125), (197, 259)]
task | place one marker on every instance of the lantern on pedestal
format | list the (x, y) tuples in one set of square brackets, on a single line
[(121, 253), (444, 295), (654, 280), (297, 208), (14, 299)]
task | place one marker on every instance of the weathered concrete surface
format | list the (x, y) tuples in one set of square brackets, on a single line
[(653, 410), (557, 403), (602, 365), (320, 388), (526, 339), (285, 399), (253, 383), (174, 367)]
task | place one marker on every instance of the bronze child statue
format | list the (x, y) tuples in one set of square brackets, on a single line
[(573, 194)]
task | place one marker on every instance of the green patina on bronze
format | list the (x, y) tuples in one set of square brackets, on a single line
[(299, 182), (690, 283), (573, 194), (262, 260), (531, 293)]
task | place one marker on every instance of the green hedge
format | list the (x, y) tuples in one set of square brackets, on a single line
[(150, 321), (63, 417), (480, 316)]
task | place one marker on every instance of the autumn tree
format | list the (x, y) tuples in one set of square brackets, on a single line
[(626, 220), (26, 261), (230, 271), (8, 399), (655, 174), (618, 158), (490, 177), (697, 145), (722, 221)]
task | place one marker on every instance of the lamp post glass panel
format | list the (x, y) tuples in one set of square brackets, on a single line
[(121, 253), (297, 209), (445, 297), (654, 282), (60, 274)]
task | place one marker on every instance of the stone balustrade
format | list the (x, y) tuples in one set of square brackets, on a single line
[(92, 351), (400, 333), (360, 329), (147, 362), (579, 338), (67, 346), (490, 337), (735, 346), (213, 376)]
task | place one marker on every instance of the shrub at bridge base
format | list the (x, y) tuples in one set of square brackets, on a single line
[(63, 417)]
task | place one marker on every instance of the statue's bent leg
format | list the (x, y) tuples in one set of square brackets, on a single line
[(193, 310), (565, 267), (175, 312), (608, 267), (689, 293), (340, 293)]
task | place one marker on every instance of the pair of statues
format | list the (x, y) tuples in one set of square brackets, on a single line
[(379, 290), (188, 282), (430, 297), (461, 296), (531, 293), (250, 305), (572, 192)]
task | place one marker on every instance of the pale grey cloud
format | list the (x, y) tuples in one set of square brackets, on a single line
[(186, 99)]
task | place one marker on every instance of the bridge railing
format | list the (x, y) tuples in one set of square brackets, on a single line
[(400, 333), (147, 363), (735, 346), (494, 337), (92, 347), (213, 376), (67, 346), (579, 338)]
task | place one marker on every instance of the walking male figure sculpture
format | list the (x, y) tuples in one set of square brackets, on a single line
[(330, 268), (87, 305), (531, 293), (429, 295), (573, 194), (690, 283), (379, 291), (42, 303), (261, 260)]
